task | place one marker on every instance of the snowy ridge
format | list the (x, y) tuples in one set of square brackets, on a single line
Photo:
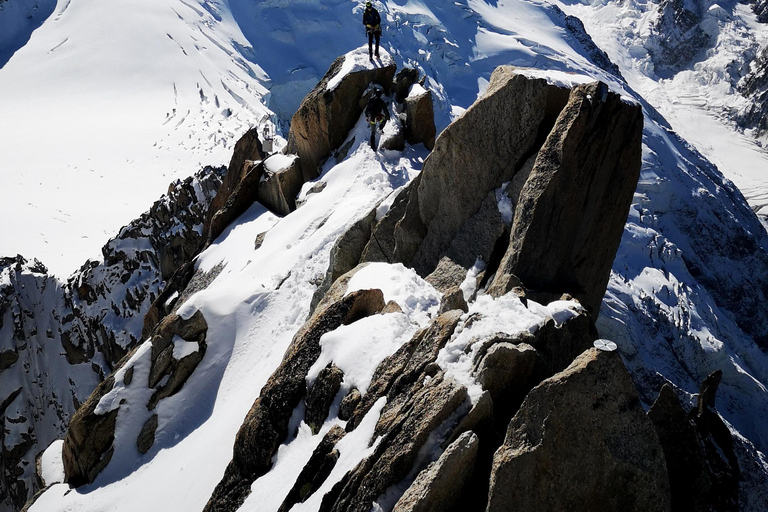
[(669, 305)]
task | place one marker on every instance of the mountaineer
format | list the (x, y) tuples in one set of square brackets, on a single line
[(372, 22), (376, 113)]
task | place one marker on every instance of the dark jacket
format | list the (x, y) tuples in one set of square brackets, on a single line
[(376, 110), (371, 18)]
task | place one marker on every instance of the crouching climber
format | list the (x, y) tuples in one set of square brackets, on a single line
[(376, 113)]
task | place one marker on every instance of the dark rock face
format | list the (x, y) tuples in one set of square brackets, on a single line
[(94, 319), (677, 38), (573, 207), (88, 444), (703, 468), (238, 201), (247, 148), (321, 395), (326, 115), (318, 468), (755, 87), (581, 441), (266, 424)]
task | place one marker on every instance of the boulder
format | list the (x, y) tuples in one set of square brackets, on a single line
[(441, 483), (349, 403), (581, 441), (571, 212), (280, 183), (167, 373), (332, 108), (87, 447), (420, 117), (266, 424)]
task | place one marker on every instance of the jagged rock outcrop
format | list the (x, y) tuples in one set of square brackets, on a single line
[(581, 441), (677, 38), (93, 320), (573, 207), (244, 194), (266, 424), (248, 148), (575, 154), (698, 449), (89, 442), (482, 147), (437, 488), (317, 469), (333, 107)]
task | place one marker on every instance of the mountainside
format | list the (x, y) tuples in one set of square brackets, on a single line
[(278, 380)]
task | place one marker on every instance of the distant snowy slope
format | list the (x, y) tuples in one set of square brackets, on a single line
[(107, 104), (18, 18), (700, 98)]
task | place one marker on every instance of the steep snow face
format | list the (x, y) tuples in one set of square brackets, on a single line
[(105, 105)]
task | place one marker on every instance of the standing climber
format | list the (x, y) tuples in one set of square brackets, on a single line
[(376, 113), (372, 22)]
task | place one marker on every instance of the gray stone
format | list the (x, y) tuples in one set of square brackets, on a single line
[(453, 298), (349, 403), (573, 207), (485, 147), (506, 369), (240, 199), (88, 442), (581, 441), (438, 486)]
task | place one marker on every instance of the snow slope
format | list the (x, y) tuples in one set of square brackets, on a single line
[(106, 105)]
